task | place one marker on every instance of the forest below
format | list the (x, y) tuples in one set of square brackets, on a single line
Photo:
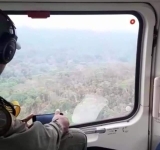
[(61, 68)]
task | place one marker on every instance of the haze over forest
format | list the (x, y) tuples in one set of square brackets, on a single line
[(64, 68)]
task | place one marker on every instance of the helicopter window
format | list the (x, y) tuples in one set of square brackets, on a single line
[(85, 65)]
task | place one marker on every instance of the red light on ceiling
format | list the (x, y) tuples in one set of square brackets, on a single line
[(38, 14), (132, 21)]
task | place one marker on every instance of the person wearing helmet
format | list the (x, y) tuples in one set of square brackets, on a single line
[(17, 134)]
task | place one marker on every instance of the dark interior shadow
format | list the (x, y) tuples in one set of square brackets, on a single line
[(99, 148)]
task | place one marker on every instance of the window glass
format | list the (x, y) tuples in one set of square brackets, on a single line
[(83, 65)]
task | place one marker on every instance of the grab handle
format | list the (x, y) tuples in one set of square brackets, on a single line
[(156, 98)]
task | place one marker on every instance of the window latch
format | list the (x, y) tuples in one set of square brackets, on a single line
[(95, 130)]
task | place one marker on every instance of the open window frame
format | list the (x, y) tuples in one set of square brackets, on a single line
[(96, 10)]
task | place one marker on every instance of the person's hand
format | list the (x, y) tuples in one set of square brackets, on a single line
[(62, 120), (27, 119)]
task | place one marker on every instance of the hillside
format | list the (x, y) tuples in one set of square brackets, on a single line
[(60, 68)]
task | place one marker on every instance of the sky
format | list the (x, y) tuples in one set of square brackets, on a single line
[(97, 23)]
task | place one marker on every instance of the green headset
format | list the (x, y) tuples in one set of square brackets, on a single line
[(8, 41), (8, 46)]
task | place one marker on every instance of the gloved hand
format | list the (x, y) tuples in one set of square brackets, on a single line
[(27, 119), (62, 120)]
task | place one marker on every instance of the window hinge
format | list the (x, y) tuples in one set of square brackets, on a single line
[(155, 36)]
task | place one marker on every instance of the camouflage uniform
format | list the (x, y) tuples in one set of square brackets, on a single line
[(42, 137)]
